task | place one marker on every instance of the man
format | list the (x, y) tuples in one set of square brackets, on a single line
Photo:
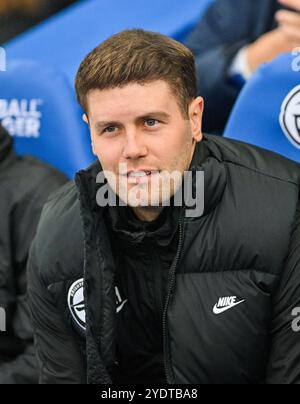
[(142, 292), (232, 41), (25, 184)]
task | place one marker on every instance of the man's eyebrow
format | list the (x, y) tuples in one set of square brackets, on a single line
[(154, 114), (104, 124)]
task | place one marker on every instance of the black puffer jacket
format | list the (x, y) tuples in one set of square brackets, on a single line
[(231, 289), (25, 184)]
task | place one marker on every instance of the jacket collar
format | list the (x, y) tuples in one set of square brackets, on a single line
[(132, 231), (208, 158)]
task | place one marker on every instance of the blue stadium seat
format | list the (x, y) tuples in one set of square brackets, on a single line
[(75, 31), (38, 107), (37, 99), (267, 112)]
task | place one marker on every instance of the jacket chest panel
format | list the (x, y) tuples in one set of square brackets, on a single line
[(219, 325), (230, 238)]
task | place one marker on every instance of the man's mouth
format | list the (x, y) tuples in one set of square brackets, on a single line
[(140, 173), (139, 177)]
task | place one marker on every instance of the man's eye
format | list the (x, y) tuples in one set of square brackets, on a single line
[(110, 129), (151, 122)]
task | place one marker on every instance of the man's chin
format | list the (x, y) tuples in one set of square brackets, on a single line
[(145, 203)]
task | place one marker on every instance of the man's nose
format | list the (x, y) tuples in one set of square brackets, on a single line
[(134, 147)]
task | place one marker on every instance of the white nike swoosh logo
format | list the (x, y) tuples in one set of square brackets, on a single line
[(121, 307), (216, 310)]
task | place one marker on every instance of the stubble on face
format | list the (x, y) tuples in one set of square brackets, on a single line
[(159, 193)]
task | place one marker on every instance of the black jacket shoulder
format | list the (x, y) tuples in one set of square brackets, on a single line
[(59, 236), (256, 159)]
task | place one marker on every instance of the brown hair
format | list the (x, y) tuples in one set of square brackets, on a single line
[(137, 56)]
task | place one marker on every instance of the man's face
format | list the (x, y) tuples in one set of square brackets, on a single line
[(140, 135)]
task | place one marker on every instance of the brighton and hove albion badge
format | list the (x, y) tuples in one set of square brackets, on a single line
[(290, 116), (76, 303)]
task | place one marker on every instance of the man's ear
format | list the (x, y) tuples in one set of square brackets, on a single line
[(93, 149), (195, 115), (85, 119)]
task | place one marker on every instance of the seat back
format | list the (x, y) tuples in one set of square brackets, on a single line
[(39, 109), (267, 112)]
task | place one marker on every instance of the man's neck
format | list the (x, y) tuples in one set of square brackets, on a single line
[(147, 214)]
